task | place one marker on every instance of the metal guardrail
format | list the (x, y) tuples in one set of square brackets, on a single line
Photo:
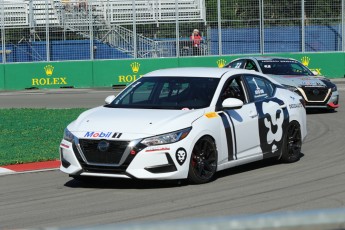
[(121, 11), (34, 29), (327, 219)]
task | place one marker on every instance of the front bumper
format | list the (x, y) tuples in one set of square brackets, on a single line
[(325, 100), (158, 162)]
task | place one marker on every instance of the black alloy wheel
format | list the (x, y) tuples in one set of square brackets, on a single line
[(292, 144), (203, 162)]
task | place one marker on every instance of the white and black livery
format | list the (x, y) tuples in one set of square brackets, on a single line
[(186, 123)]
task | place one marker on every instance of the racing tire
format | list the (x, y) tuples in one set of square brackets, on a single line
[(292, 143), (203, 161)]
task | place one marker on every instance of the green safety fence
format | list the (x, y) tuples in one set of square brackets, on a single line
[(48, 75), (108, 73), (2, 77)]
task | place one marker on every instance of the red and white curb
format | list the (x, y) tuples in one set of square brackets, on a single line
[(30, 167)]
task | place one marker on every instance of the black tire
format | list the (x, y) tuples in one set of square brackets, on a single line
[(292, 143), (203, 161)]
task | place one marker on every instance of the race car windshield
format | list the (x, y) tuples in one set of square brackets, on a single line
[(167, 93), (284, 67)]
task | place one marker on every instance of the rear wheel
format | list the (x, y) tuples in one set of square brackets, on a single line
[(292, 143), (203, 162)]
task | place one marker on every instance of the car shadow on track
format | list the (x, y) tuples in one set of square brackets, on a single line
[(250, 167), (112, 183), (320, 111)]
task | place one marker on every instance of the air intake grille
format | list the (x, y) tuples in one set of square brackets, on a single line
[(111, 155), (316, 93)]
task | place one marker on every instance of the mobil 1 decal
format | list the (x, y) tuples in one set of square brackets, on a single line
[(273, 120)]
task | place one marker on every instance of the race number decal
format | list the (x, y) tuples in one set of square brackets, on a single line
[(181, 155)]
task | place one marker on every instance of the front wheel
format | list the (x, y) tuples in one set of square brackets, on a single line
[(292, 143), (203, 162)]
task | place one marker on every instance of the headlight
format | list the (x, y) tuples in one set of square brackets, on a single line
[(291, 88), (334, 88), (167, 138), (330, 84), (68, 136)]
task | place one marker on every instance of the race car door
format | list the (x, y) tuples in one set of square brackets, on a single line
[(241, 125), (272, 114)]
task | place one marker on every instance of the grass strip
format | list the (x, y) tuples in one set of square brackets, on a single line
[(32, 135)]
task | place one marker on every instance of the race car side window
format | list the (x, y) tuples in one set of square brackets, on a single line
[(250, 65), (239, 64), (260, 88), (233, 88)]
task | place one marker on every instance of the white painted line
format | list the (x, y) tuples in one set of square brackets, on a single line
[(5, 170), (10, 172), (38, 170)]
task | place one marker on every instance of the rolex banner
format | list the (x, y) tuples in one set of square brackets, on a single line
[(48, 75), (108, 73), (123, 72)]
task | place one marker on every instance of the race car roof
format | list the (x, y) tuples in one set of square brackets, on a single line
[(213, 72), (268, 58)]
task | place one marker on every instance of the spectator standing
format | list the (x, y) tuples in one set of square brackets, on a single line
[(83, 5), (66, 4), (196, 41)]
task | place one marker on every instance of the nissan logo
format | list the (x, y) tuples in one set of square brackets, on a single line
[(316, 92), (103, 146)]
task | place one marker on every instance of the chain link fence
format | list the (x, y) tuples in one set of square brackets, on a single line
[(59, 30)]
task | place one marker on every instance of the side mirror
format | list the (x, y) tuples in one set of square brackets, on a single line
[(109, 99), (232, 103)]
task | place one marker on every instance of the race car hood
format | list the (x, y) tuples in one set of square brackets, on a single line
[(299, 81), (131, 123)]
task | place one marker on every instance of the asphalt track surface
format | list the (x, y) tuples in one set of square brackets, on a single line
[(52, 199)]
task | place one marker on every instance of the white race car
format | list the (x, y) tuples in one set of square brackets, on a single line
[(186, 123)]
